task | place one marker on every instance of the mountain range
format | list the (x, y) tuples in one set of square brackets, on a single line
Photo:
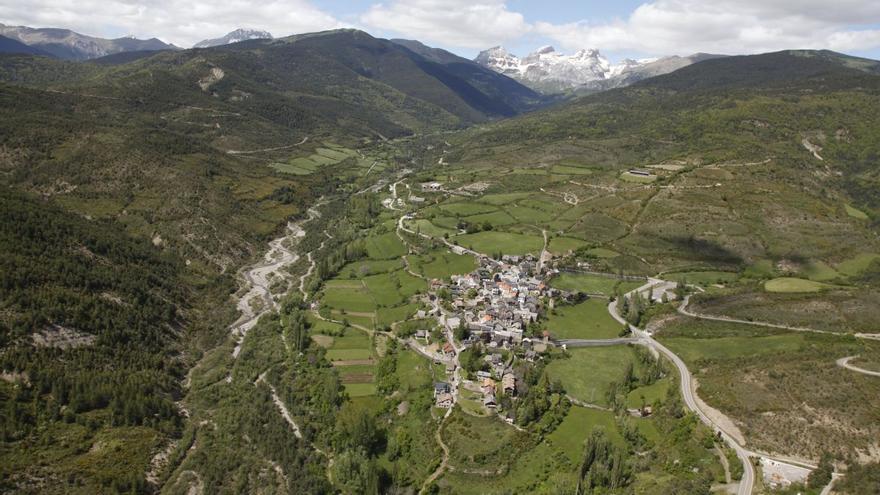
[(586, 70), (69, 45)]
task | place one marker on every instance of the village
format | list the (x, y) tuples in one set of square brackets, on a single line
[(492, 312)]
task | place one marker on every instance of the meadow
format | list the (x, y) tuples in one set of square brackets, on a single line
[(586, 320)]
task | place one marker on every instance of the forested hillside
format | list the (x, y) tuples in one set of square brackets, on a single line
[(90, 330)]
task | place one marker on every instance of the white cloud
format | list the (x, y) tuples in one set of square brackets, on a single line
[(727, 26), (458, 23), (181, 23), (657, 27)]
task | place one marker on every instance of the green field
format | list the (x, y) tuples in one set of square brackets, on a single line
[(587, 320), (505, 242), (790, 284), (466, 208), (424, 226), (360, 389), (651, 393), (385, 246), (857, 265), (563, 245), (641, 179), (592, 284), (442, 264), (524, 214), (587, 374), (364, 268), (349, 299), (387, 316), (495, 219), (322, 157)]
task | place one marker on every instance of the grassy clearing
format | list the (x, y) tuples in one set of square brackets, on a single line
[(587, 320), (791, 284), (820, 271), (592, 284), (479, 442), (570, 435), (647, 394), (854, 267), (587, 374), (855, 213), (506, 242), (442, 264), (324, 341)]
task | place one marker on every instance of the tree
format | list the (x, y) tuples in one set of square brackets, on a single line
[(603, 464), (355, 472), (461, 331), (821, 476)]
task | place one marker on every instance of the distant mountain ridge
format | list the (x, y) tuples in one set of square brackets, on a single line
[(69, 45), (549, 71), (239, 35), (9, 45)]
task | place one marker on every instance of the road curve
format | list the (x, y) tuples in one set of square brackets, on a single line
[(844, 362)]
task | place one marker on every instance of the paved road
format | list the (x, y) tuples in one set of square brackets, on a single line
[(596, 342), (687, 388)]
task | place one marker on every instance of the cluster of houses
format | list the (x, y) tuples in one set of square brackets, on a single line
[(498, 301)]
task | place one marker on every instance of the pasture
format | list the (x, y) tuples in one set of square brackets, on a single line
[(488, 242), (587, 320), (588, 372)]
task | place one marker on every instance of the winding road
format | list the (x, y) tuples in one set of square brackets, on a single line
[(687, 388)]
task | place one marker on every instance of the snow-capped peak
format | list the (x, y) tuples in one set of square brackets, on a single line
[(550, 71), (547, 69), (234, 37)]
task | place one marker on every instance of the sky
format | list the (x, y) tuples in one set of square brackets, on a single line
[(624, 28)]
